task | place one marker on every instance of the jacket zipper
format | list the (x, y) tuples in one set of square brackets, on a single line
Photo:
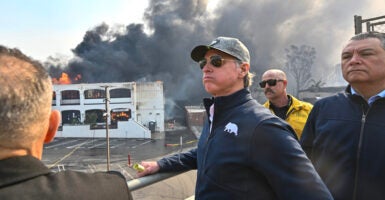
[(288, 113), (206, 143), (360, 140)]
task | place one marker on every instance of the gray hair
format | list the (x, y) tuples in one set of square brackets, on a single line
[(373, 34), (25, 98), (248, 78)]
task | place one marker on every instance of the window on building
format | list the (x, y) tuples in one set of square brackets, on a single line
[(120, 114), (70, 117), (120, 93), (54, 98), (70, 94), (94, 116), (94, 94)]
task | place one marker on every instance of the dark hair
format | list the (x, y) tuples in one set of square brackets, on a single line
[(372, 34)]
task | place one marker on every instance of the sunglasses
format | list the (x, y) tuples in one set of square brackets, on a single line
[(271, 82), (216, 61)]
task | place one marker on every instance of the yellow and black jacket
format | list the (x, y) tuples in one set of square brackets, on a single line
[(296, 115)]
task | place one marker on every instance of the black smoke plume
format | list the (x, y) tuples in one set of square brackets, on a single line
[(159, 49)]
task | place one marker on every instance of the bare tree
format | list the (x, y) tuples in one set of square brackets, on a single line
[(299, 61)]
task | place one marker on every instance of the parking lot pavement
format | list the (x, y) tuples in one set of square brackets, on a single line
[(90, 154)]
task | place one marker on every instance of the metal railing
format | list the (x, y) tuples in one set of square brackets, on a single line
[(372, 24), (139, 183)]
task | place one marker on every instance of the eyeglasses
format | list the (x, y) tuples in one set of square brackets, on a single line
[(271, 82), (216, 61)]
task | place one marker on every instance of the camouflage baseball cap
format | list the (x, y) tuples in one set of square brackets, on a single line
[(231, 46)]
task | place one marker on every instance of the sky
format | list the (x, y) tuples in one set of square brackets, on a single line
[(41, 28), (158, 36)]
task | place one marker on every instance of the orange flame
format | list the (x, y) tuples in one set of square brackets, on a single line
[(78, 77), (65, 79)]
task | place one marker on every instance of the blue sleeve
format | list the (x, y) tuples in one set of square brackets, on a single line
[(179, 162), (308, 133), (280, 158)]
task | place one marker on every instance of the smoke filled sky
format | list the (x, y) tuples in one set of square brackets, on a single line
[(44, 28), (131, 40)]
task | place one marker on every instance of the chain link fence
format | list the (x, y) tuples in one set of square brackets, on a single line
[(371, 24)]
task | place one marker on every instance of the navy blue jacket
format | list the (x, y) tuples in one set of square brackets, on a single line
[(345, 139), (249, 154)]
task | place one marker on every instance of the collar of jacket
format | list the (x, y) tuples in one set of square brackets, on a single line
[(288, 105), (227, 102), (295, 104), (20, 168), (355, 97)]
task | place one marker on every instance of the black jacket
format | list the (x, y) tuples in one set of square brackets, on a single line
[(345, 139), (26, 177), (249, 154)]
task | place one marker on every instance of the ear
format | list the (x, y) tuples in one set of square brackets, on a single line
[(245, 67), (285, 83), (54, 121)]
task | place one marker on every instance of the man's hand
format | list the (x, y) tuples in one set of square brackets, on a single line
[(150, 167)]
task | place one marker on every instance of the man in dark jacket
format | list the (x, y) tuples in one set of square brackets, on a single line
[(26, 123), (345, 133), (244, 151)]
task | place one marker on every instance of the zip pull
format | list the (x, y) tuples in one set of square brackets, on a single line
[(363, 118)]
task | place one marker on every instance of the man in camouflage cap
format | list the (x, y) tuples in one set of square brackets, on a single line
[(244, 151), (230, 46)]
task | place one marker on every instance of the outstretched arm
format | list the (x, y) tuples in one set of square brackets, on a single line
[(150, 167)]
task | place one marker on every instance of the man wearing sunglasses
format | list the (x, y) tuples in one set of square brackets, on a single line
[(244, 151), (286, 107)]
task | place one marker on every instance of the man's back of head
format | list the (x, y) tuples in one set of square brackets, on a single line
[(25, 99), (26, 123)]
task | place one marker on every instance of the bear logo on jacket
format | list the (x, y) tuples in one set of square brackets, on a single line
[(231, 128)]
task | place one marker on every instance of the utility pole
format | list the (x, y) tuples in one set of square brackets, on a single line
[(107, 103)]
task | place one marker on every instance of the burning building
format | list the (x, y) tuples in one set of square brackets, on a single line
[(135, 109)]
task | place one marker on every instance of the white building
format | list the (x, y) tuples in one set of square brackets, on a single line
[(136, 109)]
